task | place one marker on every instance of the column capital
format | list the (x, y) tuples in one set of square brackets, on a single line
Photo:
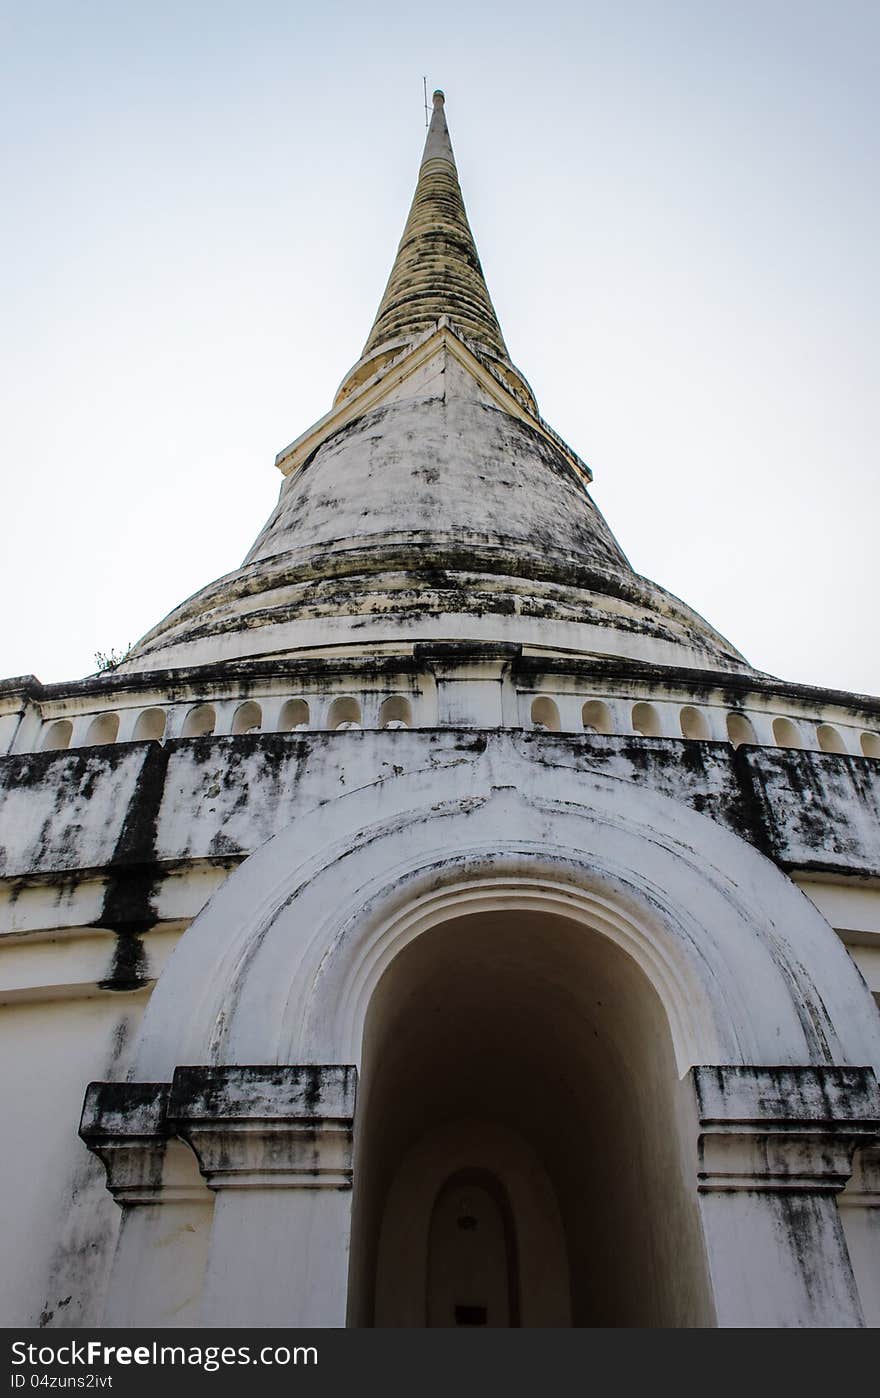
[(782, 1128), (258, 1127), (125, 1125)]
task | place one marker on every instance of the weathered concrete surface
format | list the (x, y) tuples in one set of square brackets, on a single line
[(822, 816), (759, 971), (435, 515), (134, 806), (61, 809), (775, 1148)]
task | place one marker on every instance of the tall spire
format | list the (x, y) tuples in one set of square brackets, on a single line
[(437, 271), (432, 503)]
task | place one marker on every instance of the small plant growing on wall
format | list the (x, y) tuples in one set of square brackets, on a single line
[(111, 659)]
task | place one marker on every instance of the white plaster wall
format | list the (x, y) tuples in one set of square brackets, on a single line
[(55, 1256), (853, 909), (72, 964)]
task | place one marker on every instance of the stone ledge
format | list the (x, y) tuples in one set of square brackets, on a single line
[(268, 1127), (782, 1129), (304, 1093)]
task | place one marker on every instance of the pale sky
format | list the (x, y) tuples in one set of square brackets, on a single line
[(676, 209)]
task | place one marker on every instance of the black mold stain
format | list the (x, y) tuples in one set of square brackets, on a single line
[(795, 807), (128, 909), (800, 802), (753, 826)]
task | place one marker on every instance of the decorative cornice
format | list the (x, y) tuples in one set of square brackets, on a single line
[(249, 1128), (267, 1127), (782, 1129), (187, 683)]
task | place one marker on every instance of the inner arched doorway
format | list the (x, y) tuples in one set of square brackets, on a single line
[(472, 1277), (524, 1144)]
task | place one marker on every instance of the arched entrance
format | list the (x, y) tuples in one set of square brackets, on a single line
[(594, 995), (520, 1132)]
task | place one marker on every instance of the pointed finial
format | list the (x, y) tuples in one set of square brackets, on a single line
[(438, 145)]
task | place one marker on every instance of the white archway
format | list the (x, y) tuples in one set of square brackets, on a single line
[(746, 968), (731, 965)]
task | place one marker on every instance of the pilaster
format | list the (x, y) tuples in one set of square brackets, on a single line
[(275, 1146), (159, 1263), (859, 1206), (474, 684), (775, 1148)]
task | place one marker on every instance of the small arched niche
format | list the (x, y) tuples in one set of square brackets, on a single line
[(785, 733), (472, 1277), (248, 718), (740, 730), (294, 717), (396, 712), (829, 738), (102, 729), (345, 712), (646, 720), (200, 722), (694, 724), (596, 717), (150, 726), (545, 714), (58, 735), (870, 743)]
